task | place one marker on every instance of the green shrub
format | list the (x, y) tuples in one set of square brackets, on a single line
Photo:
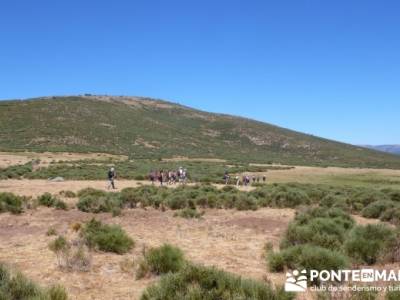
[(306, 257), (57, 292), (335, 201), (164, 259), (91, 192), (392, 295), (47, 199), (16, 171), (51, 231), (204, 283), (130, 197), (245, 202), (322, 232), (60, 244), (108, 238), (189, 213), (377, 208), (391, 215), (97, 204), (363, 295), (15, 286), (59, 204), (10, 202), (320, 227), (285, 196), (394, 195), (367, 243), (366, 197), (176, 202), (68, 194)]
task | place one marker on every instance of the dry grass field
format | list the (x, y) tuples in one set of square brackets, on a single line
[(228, 239)]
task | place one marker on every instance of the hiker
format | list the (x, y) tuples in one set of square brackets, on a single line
[(161, 177), (111, 177), (258, 179), (152, 177), (247, 180), (237, 178), (264, 178), (170, 177), (184, 176), (254, 179), (226, 177)]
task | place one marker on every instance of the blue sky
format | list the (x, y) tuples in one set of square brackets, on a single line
[(330, 68)]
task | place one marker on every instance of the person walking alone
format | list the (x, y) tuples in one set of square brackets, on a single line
[(111, 177)]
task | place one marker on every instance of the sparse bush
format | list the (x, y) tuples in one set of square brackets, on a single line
[(16, 171), (71, 255), (61, 247), (91, 192), (130, 197), (189, 213), (51, 231), (363, 295), (97, 204), (392, 295), (334, 201), (286, 196), (162, 260), (322, 232), (76, 226), (364, 197), (68, 194), (10, 202), (47, 199), (176, 202), (108, 238), (59, 204), (127, 265), (57, 292), (306, 257), (15, 286), (245, 202), (391, 215), (320, 227), (377, 208), (366, 244), (198, 282)]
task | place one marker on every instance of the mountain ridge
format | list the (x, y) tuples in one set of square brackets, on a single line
[(153, 128), (395, 149)]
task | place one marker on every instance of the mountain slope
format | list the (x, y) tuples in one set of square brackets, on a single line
[(395, 149), (144, 128)]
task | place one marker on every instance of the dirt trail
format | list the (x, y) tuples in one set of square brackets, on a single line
[(228, 239)]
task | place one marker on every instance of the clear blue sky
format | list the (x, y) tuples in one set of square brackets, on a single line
[(330, 68)]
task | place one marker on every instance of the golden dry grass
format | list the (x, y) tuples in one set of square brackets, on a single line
[(230, 240)]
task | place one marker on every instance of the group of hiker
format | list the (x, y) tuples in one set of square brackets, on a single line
[(245, 180), (169, 177)]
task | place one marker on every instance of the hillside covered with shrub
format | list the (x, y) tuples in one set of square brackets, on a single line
[(146, 128)]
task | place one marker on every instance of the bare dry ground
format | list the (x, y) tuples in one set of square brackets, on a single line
[(230, 240), (305, 174)]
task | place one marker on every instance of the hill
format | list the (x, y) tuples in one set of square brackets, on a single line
[(395, 149), (147, 128)]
